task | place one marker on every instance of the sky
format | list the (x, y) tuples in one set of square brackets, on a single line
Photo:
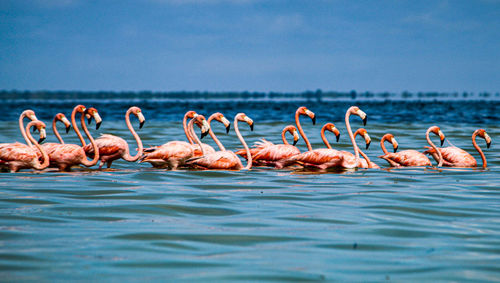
[(250, 45)]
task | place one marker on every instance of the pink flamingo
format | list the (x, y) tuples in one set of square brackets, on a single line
[(16, 156), (457, 157), (226, 159), (411, 157), (112, 147), (64, 156), (304, 111), (173, 154), (330, 158), (206, 148), (266, 153)]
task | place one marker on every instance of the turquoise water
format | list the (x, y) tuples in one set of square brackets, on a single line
[(135, 223)]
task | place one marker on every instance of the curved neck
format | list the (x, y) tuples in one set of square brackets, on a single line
[(283, 138), (478, 148), (37, 165), (368, 162), (247, 150), (127, 155), (56, 132), (323, 137), (184, 125), (351, 136), (440, 163), (75, 127), (23, 131), (193, 135), (299, 127), (212, 134), (382, 145), (94, 145)]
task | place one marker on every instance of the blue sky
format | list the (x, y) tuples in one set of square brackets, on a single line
[(253, 45)]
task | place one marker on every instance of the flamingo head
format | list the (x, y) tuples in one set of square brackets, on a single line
[(30, 114), (364, 133), (138, 113), (92, 112), (304, 111), (40, 126), (292, 130), (331, 127), (61, 117), (482, 133), (391, 139), (190, 114), (356, 111), (436, 130), (220, 118), (244, 118), (202, 123)]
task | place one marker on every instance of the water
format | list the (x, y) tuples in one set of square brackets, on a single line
[(137, 223)]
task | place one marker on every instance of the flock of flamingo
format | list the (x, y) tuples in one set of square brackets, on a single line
[(198, 155)]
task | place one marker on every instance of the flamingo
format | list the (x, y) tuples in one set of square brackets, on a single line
[(330, 158), (226, 159), (16, 156), (206, 148), (266, 153), (112, 147), (173, 154), (64, 156), (411, 157), (457, 157)]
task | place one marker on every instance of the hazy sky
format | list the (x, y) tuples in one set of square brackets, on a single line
[(237, 45)]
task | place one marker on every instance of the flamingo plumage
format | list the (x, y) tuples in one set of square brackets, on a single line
[(112, 147), (197, 151), (16, 156), (457, 157), (411, 157), (266, 153), (330, 158), (226, 160), (64, 156), (173, 154)]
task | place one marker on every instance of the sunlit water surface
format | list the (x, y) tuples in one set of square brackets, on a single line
[(137, 223)]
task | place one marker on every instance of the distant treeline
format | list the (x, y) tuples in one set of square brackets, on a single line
[(180, 95)]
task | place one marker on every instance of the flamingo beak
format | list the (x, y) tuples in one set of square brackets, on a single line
[(395, 144), (363, 116), (249, 122), (368, 140), (98, 120), (43, 135), (33, 117), (311, 115), (295, 137), (205, 128), (141, 119), (66, 123), (337, 133), (227, 124), (441, 137), (488, 140)]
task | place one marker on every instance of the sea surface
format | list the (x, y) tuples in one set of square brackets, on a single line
[(136, 223)]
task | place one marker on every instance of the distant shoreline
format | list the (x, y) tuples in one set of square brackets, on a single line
[(317, 95)]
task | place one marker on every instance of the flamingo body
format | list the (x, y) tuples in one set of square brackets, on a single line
[(219, 160), (64, 156), (454, 157), (407, 158), (15, 156), (169, 155)]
